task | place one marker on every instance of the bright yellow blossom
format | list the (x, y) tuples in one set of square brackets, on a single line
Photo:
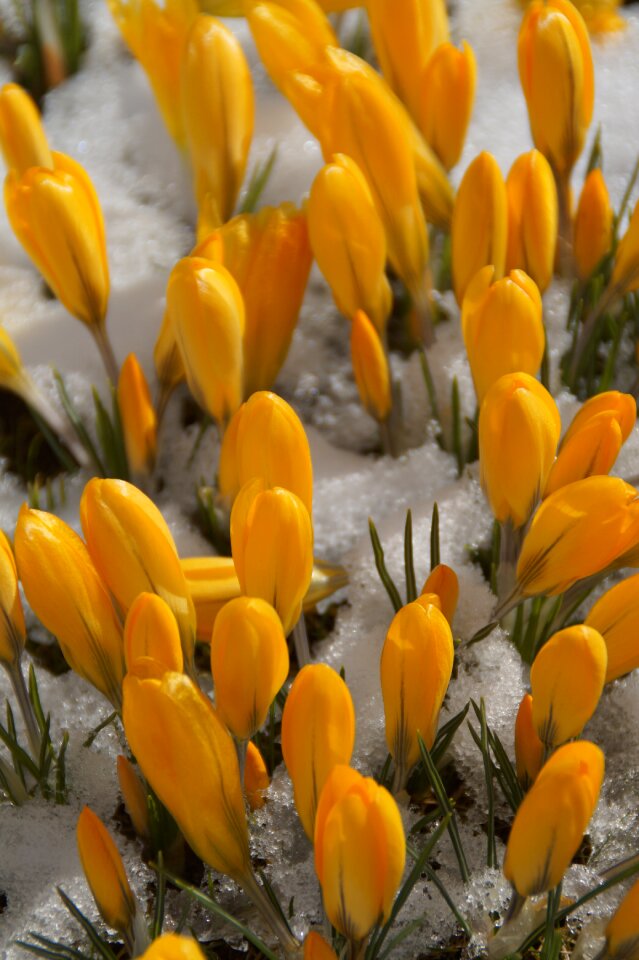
[(139, 421), (22, 138), (370, 368), (592, 237), (446, 103), (105, 873), (533, 217)]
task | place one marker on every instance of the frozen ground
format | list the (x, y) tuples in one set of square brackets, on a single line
[(105, 117)]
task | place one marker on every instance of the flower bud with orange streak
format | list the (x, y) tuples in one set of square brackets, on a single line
[(105, 873), (590, 451), (592, 235), (447, 98), (443, 581), (622, 405), (480, 223), (316, 948), (151, 630), (615, 616), (134, 795), (370, 368), (318, 732), (533, 218), (529, 750), (22, 138), (139, 422)]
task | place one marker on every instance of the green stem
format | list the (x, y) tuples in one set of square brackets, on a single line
[(106, 352), (22, 696), (300, 640), (268, 913)]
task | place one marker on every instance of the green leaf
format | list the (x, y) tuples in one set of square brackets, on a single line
[(409, 564), (434, 538), (384, 575), (102, 948), (446, 808), (259, 178)]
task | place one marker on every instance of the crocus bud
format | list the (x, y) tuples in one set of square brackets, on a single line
[(529, 750), (557, 77), (348, 241), (171, 946), (533, 217), (480, 223), (550, 823), (155, 34), (272, 547), (12, 629), (566, 679), (591, 447), (615, 616), (139, 422), (151, 630), (316, 948), (405, 34), (360, 852), (189, 759), (318, 732), (625, 274), (207, 311), (622, 932), (577, 531), (133, 550), (502, 326), (443, 582), (370, 368), (249, 663), (169, 368), (415, 669), (266, 438), (622, 405), (134, 795), (592, 237), (519, 426), (269, 256), (12, 374), (56, 216), (22, 138), (217, 109), (256, 778), (67, 595), (447, 98), (105, 873)]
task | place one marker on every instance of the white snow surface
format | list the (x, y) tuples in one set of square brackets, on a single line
[(106, 118)]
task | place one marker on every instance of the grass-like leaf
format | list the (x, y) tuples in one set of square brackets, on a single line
[(446, 808), (409, 562), (382, 570), (103, 949)]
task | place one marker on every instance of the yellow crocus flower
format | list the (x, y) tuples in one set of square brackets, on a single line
[(370, 368), (446, 103), (622, 932), (132, 547), (12, 628), (415, 669), (139, 420), (256, 778), (237, 8), (589, 451), (503, 327), (151, 630), (65, 592), (621, 405), (529, 750), (22, 138), (566, 680), (316, 948), (318, 732), (207, 313), (519, 427), (189, 759), (360, 852), (105, 873), (134, 795), (444, 583), (172, 946), (480, 223), (348, 241), (533, 217), (615, 616), (592, 238), (550, 823), (218, 108), (625, 274)]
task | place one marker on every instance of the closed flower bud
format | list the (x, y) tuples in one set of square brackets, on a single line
[(236, 8), (566, 679), (519, 427), (217, 109), (189, 759), (171, 946), (266, 439), (318, 732), (272, 546), (370, 368), (249, 663), (480, 223), (12, 629), (447, 98), (139, 422), (443, 581), (155, 34), (622, 932), (151, 630), (502, 326), (169, 368), (622, 405), (57, 218), (22, 138), (533, 217), (104, 870), (415, 669), (360, 852), (256, 778), (405, 34), (269, 256), (12, 374), (134, 552), (550, 823), (134, 795), (616, 617), (590, 451), (625, 275), (529, 750), (593, 224), (207, 311), (66, 594), (348, 241), (556, 74), (578, 531), (316, 948)]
